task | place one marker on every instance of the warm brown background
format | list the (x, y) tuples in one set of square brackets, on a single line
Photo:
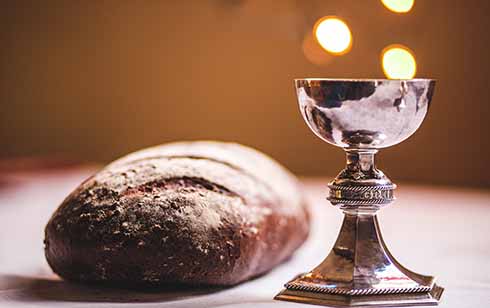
[(97, 79)]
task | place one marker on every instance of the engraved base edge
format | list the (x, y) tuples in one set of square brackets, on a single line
[(430, 298)]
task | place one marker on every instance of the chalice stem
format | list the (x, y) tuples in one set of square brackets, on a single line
[(360, 260), (361, 160), (360, 265)]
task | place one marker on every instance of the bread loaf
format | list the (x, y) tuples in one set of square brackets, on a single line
[(205, 212)]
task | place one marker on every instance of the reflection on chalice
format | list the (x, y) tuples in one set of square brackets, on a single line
[(362, 116)]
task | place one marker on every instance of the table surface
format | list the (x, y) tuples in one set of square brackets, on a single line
[(439, 231)]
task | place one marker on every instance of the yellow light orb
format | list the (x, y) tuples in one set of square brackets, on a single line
[(333, 35), (398, 62), (398, 6)]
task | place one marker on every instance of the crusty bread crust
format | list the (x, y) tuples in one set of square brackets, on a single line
[(207, 213)]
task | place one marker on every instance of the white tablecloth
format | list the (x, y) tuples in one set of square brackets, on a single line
[(432, 230)]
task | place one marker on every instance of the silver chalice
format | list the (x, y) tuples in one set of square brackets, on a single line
[(362, 116)]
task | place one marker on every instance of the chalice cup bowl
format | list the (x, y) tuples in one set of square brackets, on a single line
[(362, 116)]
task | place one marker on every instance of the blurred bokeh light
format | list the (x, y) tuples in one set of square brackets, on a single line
[(333, 35), (398, 62), (314, 52), (398, 6)]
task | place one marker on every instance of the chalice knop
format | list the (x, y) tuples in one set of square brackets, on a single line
[(362, 116)]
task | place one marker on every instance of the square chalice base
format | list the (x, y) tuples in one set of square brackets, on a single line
[(427, 298)]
